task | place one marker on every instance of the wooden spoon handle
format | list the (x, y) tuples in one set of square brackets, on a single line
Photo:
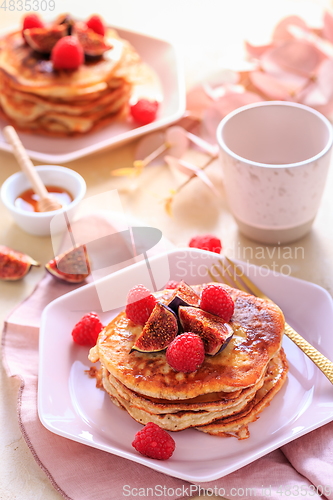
[(24, 161)]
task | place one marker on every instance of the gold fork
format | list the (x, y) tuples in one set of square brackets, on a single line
[(324, 364)]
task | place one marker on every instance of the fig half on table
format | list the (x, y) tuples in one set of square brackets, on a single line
[(72, 266), (14, 265)]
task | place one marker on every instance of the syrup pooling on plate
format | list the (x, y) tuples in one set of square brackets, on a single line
[(28, 200)]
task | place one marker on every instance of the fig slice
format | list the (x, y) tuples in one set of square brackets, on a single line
[(14, 265), (44, 39), (214, 332), (92, 43), (72, 266), (183, 295), (159, 331)]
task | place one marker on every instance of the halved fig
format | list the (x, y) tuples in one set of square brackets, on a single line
[(67, 20), (92, 43), (215, 333), (44, 39), (183, 295), (159, 331), (14, 265), (72, 266)]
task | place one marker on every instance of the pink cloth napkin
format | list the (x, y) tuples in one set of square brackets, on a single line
[(302, 468)]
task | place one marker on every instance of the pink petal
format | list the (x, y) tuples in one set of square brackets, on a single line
[(292, 81), (319, 92), (296, 56), (281, 32), (324, 46), (147, 145), (270, 86), (213, 115), (230, 102), (223, 81), (197, 101), (188, 121), (327, 31), (210, 119), (256, 51), (202, 144), (176, 137)]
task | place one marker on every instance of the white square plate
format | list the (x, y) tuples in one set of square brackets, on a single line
[(164, 59), (70, 405)]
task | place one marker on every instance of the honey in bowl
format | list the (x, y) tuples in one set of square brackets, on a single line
[(28, 200)]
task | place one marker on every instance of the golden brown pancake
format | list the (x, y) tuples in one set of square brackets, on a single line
[(258, 329), (180, 420), (237, 424), (214, 401), (32, 72), (36, 98)]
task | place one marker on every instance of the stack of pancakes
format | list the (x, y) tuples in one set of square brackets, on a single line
[(222, 397), (36, 98)]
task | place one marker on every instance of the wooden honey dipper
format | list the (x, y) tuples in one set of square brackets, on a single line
[(46, 203)]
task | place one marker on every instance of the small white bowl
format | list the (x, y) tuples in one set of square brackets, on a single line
[(38, 223)]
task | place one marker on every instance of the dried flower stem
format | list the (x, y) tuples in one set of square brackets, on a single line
[(140, 164), (209, 162), (168, 201)]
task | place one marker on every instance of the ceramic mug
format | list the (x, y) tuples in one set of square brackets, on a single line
[(275, 158)]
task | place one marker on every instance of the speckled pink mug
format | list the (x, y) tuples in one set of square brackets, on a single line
[(275, 158)]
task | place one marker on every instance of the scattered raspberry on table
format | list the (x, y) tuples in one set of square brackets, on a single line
[(216, 300), (86, 331), (206, 242), (140, 304), (144, 111), (154, 442), (186, 353)]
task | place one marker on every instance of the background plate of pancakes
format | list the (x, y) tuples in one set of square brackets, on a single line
[(70, 405), (164, 60)]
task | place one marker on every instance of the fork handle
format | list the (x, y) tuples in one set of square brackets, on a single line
[(324, 364)]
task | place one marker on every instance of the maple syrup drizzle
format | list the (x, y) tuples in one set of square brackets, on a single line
[(28, 200)]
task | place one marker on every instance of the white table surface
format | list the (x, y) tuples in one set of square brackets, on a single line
[(209, 35)]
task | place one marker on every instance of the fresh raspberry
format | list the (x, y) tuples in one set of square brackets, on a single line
[(86, 331), (171, 285), (31, 21), (216, 300), (67, 53), (140, 304), (144, 111), (96, 24), (186, 353), (154, 442), (206, 242)]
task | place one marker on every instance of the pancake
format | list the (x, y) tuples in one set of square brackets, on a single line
[(237, 425), (229, 421), (215, 401), (176, 421), (258, 329), (32, 72), (36, 98)]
